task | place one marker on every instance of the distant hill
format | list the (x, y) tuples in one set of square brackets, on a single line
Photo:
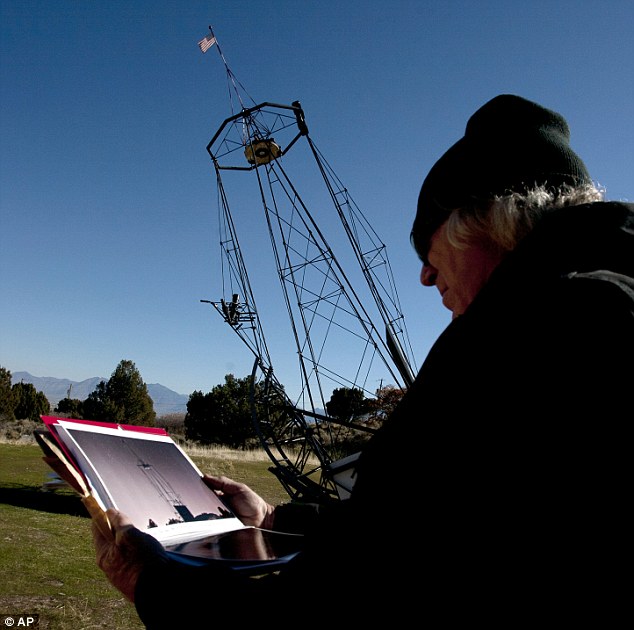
[(165, 400)]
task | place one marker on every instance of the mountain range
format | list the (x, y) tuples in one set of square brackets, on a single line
[(165, 400)]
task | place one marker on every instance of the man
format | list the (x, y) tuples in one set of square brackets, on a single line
[(497, 492)]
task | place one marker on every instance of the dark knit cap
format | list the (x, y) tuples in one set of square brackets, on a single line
[(510, 145)]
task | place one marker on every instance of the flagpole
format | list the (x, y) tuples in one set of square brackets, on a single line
[(211, 31), (227, 68)]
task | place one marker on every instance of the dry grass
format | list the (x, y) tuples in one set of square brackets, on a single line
[(224, 453)]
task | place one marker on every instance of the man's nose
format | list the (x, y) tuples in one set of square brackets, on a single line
[(428, 275)]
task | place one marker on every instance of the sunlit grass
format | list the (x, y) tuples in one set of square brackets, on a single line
[(47, 561)]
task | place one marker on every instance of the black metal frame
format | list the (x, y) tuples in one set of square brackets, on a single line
[(299, 436)]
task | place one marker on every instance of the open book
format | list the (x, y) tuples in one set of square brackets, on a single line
[(143, 473)]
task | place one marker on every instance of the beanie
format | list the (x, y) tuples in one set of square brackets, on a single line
[(510, 145)]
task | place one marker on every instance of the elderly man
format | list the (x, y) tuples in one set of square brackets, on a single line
[(497, 492)]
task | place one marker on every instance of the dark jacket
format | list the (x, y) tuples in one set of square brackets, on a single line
[(498, 490)]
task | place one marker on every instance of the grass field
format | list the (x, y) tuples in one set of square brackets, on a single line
[(47, 564)]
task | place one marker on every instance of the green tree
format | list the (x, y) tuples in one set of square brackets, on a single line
[(7, 397), (72, 407), (123, 398), (347, 403), (222, 416), (29, 403)]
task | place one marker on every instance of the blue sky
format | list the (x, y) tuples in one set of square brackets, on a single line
[(107, 194)]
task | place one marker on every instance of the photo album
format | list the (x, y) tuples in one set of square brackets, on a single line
[(143, 473)]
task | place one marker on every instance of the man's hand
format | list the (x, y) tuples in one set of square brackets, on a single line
[(123, 555), (249, 507)]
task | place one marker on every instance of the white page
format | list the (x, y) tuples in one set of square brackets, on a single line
[(149, 478)]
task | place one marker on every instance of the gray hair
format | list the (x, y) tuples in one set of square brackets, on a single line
[(507, 219)]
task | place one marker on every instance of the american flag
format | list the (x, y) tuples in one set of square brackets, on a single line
[(206, 43)]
